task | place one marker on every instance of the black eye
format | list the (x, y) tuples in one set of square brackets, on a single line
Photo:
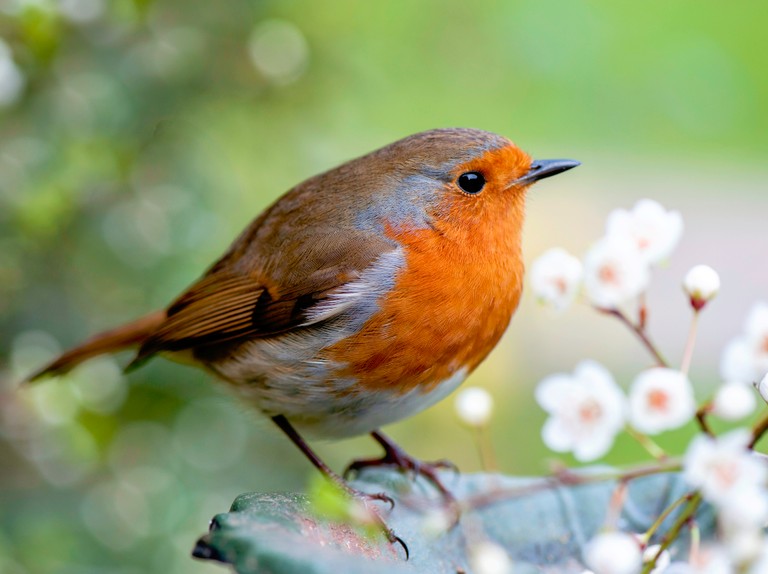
[(471, 182)]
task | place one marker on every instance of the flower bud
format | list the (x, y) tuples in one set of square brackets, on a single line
[(701, 284), (733, 401), (613, 553), (762, 388), (474, 406)]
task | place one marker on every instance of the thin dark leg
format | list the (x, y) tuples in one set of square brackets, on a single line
[(291, 433), (288, 429), (397, 457)]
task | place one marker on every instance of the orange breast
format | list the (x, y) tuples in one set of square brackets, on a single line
[(449, 307)]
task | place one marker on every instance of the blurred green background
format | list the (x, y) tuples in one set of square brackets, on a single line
[(138, 137)]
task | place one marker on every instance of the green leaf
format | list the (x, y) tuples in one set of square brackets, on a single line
[(543, 527)]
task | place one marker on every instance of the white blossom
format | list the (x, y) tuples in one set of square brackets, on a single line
[(615, 273), (555, 278), (744, 509), (733, 401), (613, 553), (654, 230), (701, 284), (746, 357), (721, 466), (474, 406), (587, 409), (660, 399), (489, 558)]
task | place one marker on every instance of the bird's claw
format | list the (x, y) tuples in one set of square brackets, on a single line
[(380, 497)]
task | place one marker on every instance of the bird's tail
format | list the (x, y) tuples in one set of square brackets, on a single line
[(123, 337)]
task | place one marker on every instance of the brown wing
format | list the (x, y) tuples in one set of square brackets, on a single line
[(247, 296)]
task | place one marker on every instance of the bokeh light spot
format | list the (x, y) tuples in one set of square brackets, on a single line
[(278, 50), (81, 11), (210, 435), (64, 455), (101, 386)]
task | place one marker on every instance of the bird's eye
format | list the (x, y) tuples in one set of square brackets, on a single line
[(471, 182)]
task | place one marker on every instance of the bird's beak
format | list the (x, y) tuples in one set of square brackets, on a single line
[(542, 168)]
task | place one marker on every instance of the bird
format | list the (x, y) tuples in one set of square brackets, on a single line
[(362, 296)]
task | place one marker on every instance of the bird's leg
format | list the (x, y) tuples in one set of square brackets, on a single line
[(292, 434), (397, 457)]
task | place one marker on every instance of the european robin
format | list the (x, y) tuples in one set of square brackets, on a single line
[(363, 295)]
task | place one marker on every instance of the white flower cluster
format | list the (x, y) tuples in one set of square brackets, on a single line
[(746, 357), (733, 479), (588, 409), (616, 270)]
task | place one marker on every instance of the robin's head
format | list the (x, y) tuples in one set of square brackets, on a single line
[(460, 175)]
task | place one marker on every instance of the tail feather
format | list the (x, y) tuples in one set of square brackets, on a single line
[(123, 337)]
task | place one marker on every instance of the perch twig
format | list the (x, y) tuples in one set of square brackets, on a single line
[(638, 330), (566, 477)]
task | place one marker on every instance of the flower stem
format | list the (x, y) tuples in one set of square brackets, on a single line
[(618, 497), (648, 534), (647, 443), (639, 331), (693, 554), (685, 366), (485, 449), (674, 531)]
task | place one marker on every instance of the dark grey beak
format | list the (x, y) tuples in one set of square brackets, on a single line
[(542, 168)]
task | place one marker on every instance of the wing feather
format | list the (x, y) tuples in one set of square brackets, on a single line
[(236, 302)]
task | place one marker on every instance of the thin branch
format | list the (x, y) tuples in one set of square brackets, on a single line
[(648, 534), (674, 531), (618, 498), (568, 478), (701, 418), (758, 431), (647, 443), (639, 332)]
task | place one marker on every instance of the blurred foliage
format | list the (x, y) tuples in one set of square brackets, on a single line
[(137, 137)]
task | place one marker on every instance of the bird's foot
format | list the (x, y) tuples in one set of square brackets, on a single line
[(370, 496), (396, 457)]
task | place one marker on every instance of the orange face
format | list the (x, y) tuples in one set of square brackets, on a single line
[(483, 193)]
